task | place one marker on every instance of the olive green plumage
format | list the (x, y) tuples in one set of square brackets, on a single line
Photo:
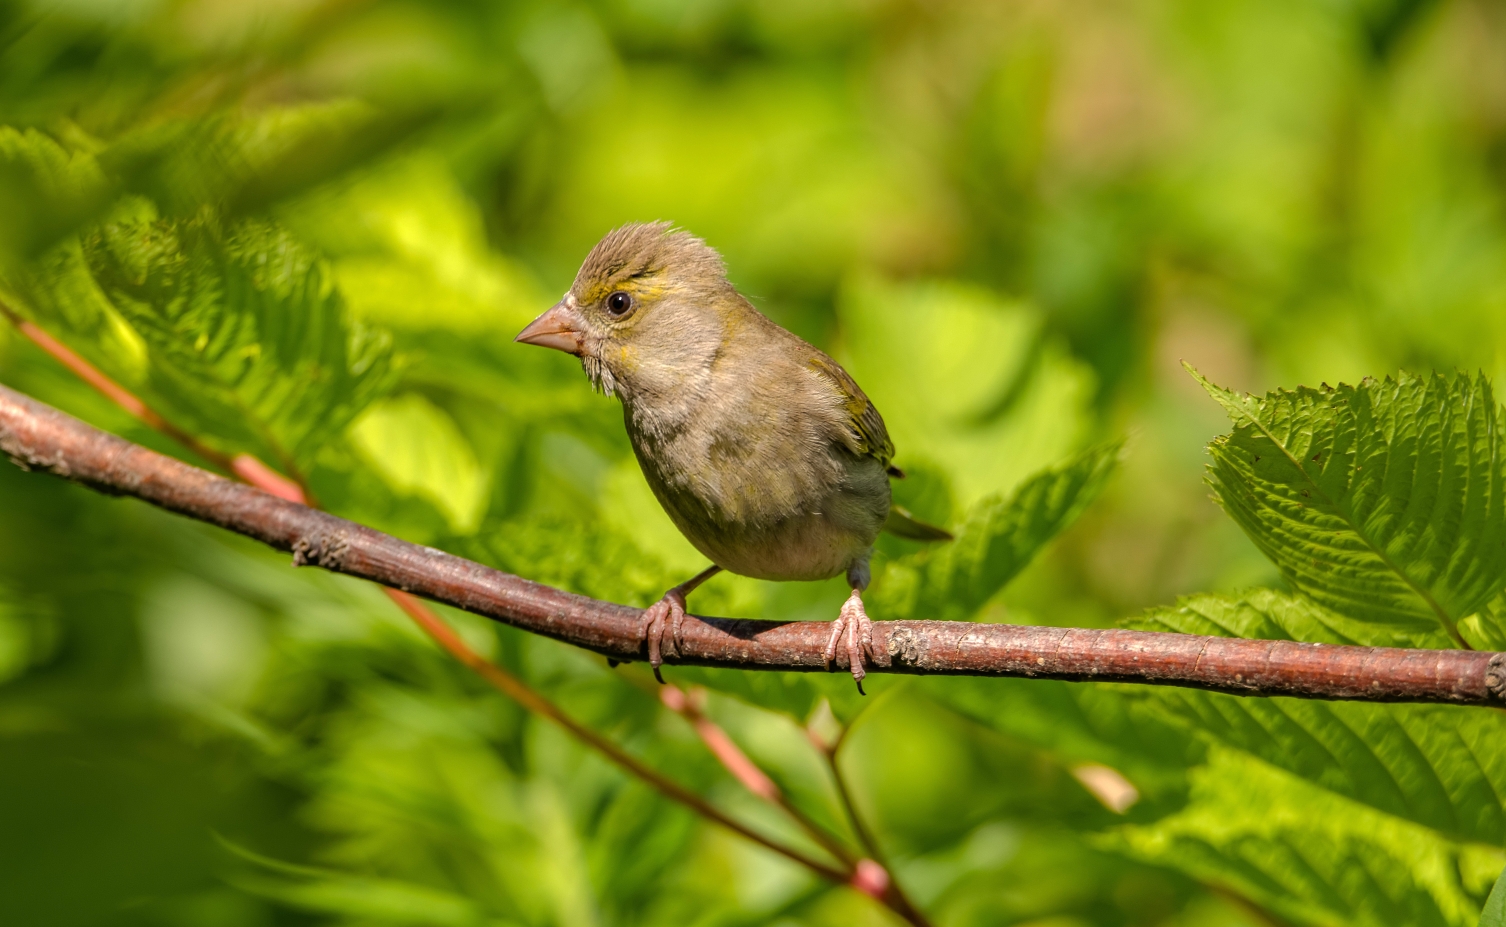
[(762, 449)]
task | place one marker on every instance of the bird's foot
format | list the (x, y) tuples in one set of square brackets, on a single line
[(662, 618), (853, 623)]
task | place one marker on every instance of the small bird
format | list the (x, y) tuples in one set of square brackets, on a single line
[(763, 451)]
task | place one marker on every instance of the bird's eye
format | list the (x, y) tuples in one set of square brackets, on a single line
[(619, 304)]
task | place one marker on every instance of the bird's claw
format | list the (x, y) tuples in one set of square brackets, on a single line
[(664, 616), (853, 623)]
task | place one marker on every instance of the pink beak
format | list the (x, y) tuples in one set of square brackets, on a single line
[(560, 328)]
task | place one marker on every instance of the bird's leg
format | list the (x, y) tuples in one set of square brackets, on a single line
[(853, 623), (667, 615)]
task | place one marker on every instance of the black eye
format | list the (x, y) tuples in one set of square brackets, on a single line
[(619, 304)]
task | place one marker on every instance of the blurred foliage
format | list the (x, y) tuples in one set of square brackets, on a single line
[(308, 231)]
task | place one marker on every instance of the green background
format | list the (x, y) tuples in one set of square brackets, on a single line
[(1010, 221)]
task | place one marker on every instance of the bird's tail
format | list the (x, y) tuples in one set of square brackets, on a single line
[(902, 524)]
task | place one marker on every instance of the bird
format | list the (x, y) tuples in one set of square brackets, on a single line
[(763, 450)]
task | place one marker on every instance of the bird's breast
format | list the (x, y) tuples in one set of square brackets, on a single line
[(766, 503)]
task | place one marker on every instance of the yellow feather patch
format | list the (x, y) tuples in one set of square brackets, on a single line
[(866, 423)]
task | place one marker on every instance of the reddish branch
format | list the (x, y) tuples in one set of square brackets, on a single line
[(251, 470), (41, 438), (862, 874)]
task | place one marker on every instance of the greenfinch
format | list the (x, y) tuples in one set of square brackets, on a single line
[(763, 451)]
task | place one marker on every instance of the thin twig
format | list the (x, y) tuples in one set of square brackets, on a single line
[(871, 875), (876, 870), (515, 689), (745, 771), (295, 490), (855, 820), (888, 888)]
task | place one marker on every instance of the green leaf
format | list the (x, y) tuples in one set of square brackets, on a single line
[(1307, 856), (998, 539), (1256, 614), (1076, 723), (1384, 501), (1439, 766), (248, 341), (1436, 765), (46, 190), (419, 450), (1494, 914), (985, 393)]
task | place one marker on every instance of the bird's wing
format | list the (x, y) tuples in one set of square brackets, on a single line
[(869, 437)]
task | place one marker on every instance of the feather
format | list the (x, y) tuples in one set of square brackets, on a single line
[(902, 524)]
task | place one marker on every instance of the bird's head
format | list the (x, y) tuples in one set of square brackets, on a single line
[(649, 307)]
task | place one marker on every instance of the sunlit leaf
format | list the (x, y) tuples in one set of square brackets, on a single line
[(966, 381), (418, 450), (1436, 765), (1494, 914), (998, 538), (248, 342), (410, 252), (1309, 857), (1384, 501)]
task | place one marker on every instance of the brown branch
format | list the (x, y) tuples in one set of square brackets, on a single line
[(39, 437)]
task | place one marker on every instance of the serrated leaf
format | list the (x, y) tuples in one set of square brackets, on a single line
[(998, 539), (46, 190), (1439, 766), (1306, 856), (1256, 614), (1436, 765), (248, 341), (1267, 614), (1384, 501)]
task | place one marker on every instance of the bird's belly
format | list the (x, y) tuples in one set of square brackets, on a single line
[(811, 540), (809, 546), (775, 510)]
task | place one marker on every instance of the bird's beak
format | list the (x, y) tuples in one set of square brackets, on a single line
[(559, 328)]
